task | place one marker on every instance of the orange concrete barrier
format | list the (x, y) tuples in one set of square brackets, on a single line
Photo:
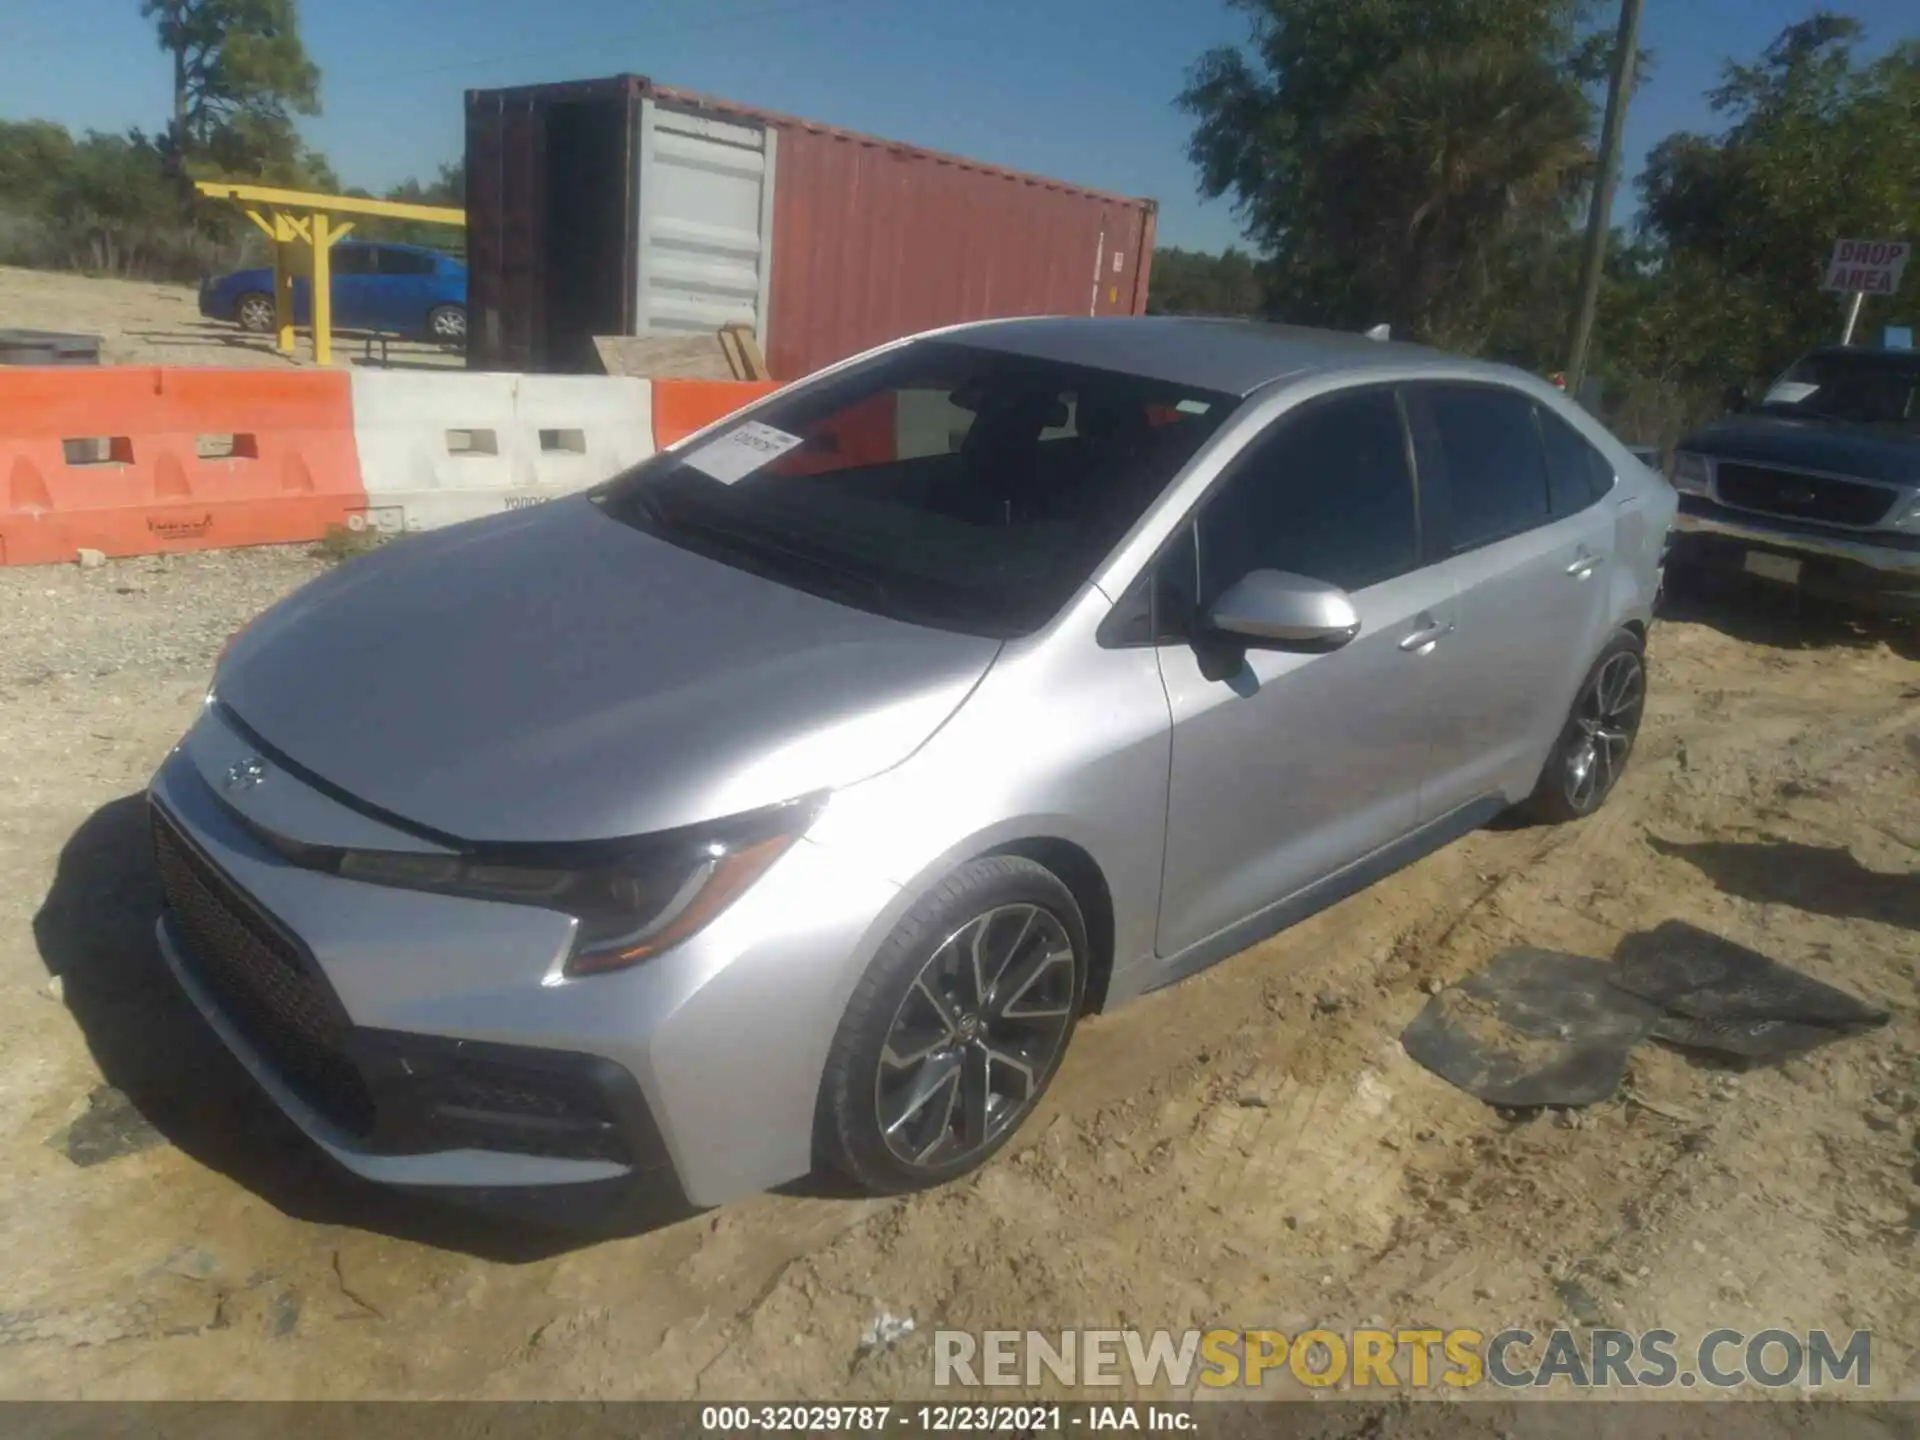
[(137, 460), (681, 407)]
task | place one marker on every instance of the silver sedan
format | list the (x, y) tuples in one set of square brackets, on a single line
[(786, 801)]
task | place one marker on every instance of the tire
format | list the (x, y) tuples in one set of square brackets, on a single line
[(447, 324), (254, 311), (1591, 754), (927, 1078)]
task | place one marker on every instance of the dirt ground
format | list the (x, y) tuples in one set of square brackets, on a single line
[(143, 323), (1250, 1148)]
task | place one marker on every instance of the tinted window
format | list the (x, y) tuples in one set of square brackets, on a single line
[(405, 262), (1327, 493), (940, 483), (1577, 473), (1496, 471), (1860, 387), (351, 260)]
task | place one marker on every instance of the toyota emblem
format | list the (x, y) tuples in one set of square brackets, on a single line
[(246, 774)]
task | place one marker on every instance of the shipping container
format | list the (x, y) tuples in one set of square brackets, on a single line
[(623, 207)]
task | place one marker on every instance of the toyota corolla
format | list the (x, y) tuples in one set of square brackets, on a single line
[(787, 800)]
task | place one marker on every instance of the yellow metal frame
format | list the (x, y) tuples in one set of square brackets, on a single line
[(294, 217)]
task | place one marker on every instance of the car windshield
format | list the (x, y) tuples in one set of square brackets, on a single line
[(1868, 388), (939, 483)]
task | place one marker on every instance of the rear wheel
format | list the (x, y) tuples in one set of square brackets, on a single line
[(448, 324), (254, 311), (1591, 753), (957, 1028)]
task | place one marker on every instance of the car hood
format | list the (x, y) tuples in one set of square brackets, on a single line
[(553, 675), (1866, 451)]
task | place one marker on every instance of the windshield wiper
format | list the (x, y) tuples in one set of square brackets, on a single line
[(749, 544)]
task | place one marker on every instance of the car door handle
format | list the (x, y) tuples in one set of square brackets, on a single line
[(1425, 636), (1583, 566)]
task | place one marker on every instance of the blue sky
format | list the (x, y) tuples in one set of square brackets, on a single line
[(1079, 89)]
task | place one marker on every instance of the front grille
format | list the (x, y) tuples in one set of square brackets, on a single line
[(1804, 497), (262, 983)]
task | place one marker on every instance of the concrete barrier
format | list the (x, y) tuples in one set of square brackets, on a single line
[(133, 459), (439, 449), (140, 460)]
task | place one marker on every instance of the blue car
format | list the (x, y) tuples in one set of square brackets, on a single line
[(396, 289)]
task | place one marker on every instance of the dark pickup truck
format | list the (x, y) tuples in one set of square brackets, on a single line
[(1816, 484)]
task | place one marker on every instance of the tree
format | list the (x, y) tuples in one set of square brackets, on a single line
[(1415, 164), (240, 73), (32, 154), (1193, 282), (1819, 146), (449, 188)]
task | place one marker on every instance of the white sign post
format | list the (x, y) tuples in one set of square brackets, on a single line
[(1860, 268)]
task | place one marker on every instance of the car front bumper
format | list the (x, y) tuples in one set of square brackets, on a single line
[(1882, 565), (430, 1042)]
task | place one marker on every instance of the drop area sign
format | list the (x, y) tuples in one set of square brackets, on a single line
[(1866, 267)]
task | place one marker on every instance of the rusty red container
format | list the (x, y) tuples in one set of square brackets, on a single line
[(622, 207)]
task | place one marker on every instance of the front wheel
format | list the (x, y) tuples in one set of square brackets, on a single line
[(957, 1028), (447, 324), (254, 311), (1591, 753)]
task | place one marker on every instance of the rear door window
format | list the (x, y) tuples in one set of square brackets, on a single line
[(1495, 464), (1577, 473)]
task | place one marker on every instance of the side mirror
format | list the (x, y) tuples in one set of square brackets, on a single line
[(1276, 610), (1737, 399)]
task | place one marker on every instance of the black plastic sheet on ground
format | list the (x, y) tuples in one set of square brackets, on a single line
[(1532, 1028), (1718, 996), (1535, 1027)]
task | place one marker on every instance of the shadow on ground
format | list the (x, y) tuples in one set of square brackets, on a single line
[(353, 346), (211, 335), (1758, 613), (95, 931), (1823, 880)]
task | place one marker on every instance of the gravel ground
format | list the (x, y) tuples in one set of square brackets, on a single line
[(1250, 1148), (167, 614)]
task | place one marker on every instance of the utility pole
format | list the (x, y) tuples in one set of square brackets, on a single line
[(1619, 91)]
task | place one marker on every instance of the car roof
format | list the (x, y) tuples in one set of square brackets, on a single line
[(1236, 357), (1872, 354)]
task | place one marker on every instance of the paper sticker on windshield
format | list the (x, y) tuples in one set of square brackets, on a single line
[(1789, 392), (740, 452)]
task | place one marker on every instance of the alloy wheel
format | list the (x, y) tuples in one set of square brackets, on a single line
[(977, 1035), (256, 313), (450, 324), (1607, 717)]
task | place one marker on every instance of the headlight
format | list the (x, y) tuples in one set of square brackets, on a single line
[(1690, 474), (632, 900), (1909, 518)]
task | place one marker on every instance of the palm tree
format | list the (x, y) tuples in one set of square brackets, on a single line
[(1441, 167)]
